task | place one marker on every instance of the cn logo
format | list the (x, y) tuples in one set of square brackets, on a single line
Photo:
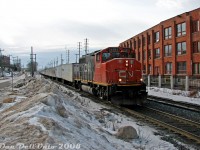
[(123, 73), (130, 73)]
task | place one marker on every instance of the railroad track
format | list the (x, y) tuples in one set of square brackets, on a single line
[(184, 127), (178, 104)]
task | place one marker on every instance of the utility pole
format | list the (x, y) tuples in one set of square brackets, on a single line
[(61, 60), (32, 62), (1, 62), (86, 46), (67, 56), (35, 63), (79, 49), (31, 57), (10, 67), (76, 57), (19, 64), (57, 62)]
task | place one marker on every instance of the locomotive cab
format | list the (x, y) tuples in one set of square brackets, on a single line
[(118, 76), (117, 66)]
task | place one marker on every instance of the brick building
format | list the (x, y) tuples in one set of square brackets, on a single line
[(171, 47)]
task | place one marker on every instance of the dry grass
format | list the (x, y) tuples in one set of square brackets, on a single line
[(193, 93), (8, 100)]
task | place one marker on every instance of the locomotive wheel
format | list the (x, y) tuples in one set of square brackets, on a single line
[(79, 86), (100, 93), (76, 85), (103, 93)]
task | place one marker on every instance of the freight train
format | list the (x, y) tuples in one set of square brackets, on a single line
[(112, 74)]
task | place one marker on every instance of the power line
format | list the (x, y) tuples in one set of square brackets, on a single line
[(1, 62), (31, 57), (33, 64), (79, 49), (67, 55), (86, 46), (61, 60)]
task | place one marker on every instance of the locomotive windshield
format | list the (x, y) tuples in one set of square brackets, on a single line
[(115, 52), (105, 56)]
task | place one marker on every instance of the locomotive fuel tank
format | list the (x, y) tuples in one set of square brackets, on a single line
[(88, 89)]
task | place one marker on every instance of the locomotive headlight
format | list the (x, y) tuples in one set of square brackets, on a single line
[(126, 62), (120, 80), (141, 79)]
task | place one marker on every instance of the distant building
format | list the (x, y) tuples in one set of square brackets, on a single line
[(170, 47), (5, 61)]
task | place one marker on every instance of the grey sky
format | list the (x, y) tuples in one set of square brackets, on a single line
[(50, 25)]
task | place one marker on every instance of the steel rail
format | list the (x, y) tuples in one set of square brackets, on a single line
[(180, 119), (178, 104), (182, 132)]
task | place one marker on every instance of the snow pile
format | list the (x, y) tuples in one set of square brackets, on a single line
[(45, 115), (176, 95)]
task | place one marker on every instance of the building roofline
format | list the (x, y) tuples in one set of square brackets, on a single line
[(162, 22)]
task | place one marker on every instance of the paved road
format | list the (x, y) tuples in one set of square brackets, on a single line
[(4, 84)]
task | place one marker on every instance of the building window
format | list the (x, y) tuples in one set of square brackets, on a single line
[(144, 55), (168, 33), (134, 44), (130, 44), (168, 68), (156, 37), (143, 41), (157, 53), (181, 67), (139, 43), (127, 45), (196, 47), (168, 50), (144, 69), (195, 26), (157, 70), (181, 29), (196, 68), (149, 54), (181, 48), (148, 39)]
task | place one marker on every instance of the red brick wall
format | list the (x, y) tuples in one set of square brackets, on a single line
[(190, 36)]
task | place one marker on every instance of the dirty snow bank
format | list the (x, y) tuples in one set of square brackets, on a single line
[(176, 95), (49, 116)]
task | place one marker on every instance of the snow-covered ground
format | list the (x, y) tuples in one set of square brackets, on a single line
[(42, 114), (176, 95), (9, 78)]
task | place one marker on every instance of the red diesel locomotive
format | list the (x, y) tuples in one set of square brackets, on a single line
[(113, 74)]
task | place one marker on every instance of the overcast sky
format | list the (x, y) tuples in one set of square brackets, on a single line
[(51, 25)]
